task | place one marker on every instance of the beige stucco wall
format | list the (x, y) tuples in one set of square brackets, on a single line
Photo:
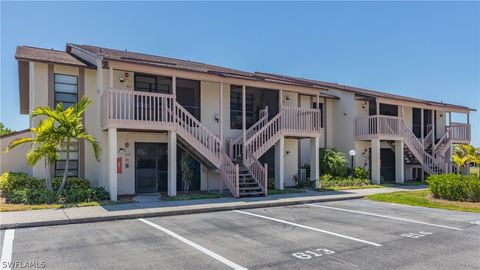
[(408, 112), (39, 97), (344, 113), (441, 123), (93, 168), (291, 161), (15, 159), (210, 105), (126, 180), (290, 99)]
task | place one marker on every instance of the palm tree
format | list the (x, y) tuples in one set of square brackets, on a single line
[(39, 149), (463, 154), (59, 127)]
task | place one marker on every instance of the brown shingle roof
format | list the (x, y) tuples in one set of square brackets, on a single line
[(141, 58), (126, 56), (46, 55)]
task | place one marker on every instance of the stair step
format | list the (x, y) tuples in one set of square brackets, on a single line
[(252, 193), (250, 188)]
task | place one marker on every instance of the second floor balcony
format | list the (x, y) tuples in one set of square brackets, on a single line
[(125, 109), (393, 128), (137, 110)]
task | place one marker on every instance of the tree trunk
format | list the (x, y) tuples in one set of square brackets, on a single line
[(64, 179), (48, 180)]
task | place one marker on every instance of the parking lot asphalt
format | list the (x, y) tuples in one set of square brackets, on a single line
[(354, 234)]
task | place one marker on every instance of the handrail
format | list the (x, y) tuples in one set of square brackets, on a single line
[(290, 120), (460, 131), (428, 139), (443, 142), (197, 134), (413, 143), (123, 108), (389, 125), (258, 171), (230, 173), (448, 164), (236, 145)]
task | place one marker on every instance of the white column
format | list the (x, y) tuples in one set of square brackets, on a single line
[(279, 164), (434, 137), (314, 160), (112, 163), (399, 163), (99, 77), (172, 164), (221, 113), (244, 118), (110, 77), (375, 161), (421, 124)]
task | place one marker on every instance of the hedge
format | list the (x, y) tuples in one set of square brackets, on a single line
[(328, 180), (455, 187), (22, 188)]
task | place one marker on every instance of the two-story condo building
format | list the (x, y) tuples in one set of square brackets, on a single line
[(241, 128)]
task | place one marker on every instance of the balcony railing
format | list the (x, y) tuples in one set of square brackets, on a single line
[(460, 132), (378, 125), (137, 110)]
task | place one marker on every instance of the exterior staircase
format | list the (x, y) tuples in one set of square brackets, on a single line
[(426, 153)]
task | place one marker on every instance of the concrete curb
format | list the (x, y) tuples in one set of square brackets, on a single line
[(173, 212)]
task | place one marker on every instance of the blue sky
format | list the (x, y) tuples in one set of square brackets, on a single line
[(428, 50)]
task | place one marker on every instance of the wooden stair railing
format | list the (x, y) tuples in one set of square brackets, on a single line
[(259, 172), (432, 164), (444, 143), (208, 145), (236, 145), (197, 135), (230, 173)]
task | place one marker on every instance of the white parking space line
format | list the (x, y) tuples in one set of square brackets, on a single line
[(7, 249), (383, 216), (310, 228), (194, 245)]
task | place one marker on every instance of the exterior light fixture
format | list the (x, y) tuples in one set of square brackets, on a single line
[(216, 117), (352, 155)]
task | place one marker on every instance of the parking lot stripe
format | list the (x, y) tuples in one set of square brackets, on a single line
[(309, 228), (194, 245), (7, 249), (383, 216)]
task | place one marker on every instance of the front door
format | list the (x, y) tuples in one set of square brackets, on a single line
[(150, 167)]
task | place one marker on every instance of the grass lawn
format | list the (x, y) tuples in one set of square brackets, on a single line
[(406, 183), (285, 191), (8, 207), (192, 196), (425, 199)]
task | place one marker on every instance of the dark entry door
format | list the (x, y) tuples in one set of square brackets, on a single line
[(387, 164), (150, 167)]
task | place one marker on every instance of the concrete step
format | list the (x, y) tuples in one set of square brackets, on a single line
[(245, 194)]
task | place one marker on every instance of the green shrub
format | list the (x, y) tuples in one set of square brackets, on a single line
[(72, 182), (21, 188), (17, 180), (271, 183), (327, 180), (333, 162), (455, 187), (360, 173)]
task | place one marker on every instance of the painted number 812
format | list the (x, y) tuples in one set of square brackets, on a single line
[(309, 254)]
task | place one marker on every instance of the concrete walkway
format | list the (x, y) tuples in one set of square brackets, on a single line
[(47, 217)]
